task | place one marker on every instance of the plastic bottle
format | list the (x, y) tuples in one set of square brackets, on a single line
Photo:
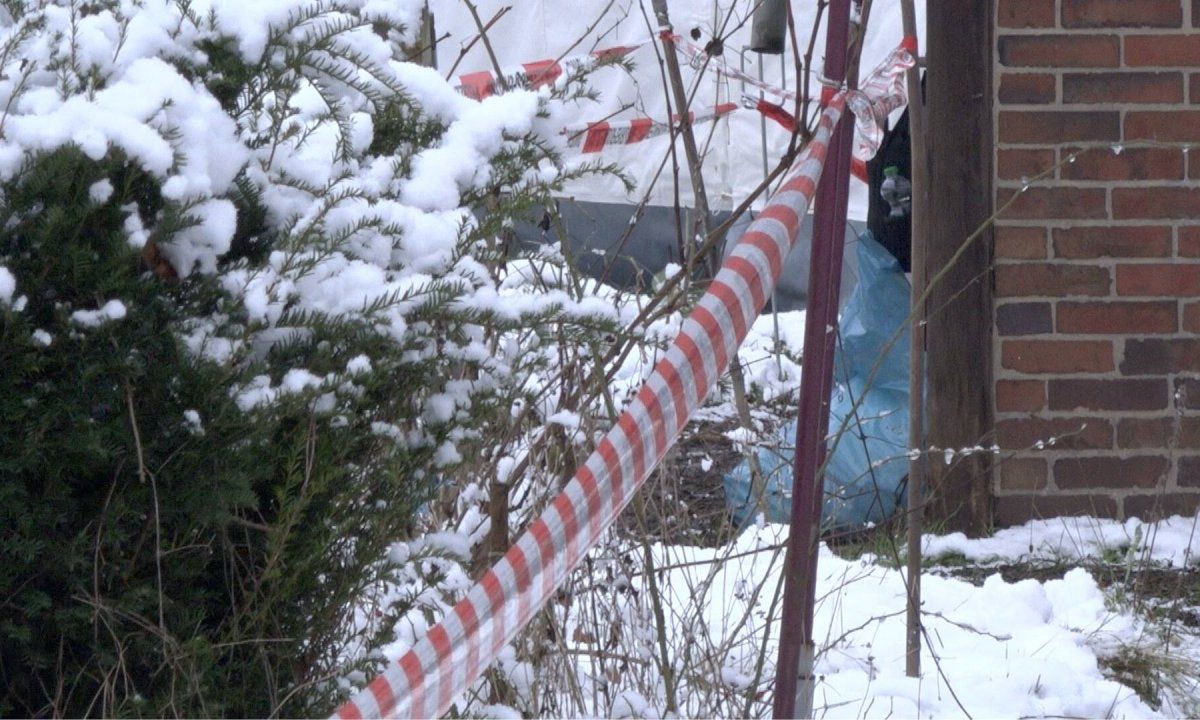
[(897, 191)]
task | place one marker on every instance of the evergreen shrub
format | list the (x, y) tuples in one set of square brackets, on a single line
[(238, 350)]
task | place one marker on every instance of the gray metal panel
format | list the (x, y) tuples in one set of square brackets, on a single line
[(605, 246)]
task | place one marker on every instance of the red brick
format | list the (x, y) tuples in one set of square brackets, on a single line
[(1160, 356), (1020, 395), (1024, 318), (1160, 433), (1189, 241), (1187, 393), (1110, 472), (1027, 243), (1059, 51), (1172, 202), (1026, 14), (1122, 13), (1122, 87), (1165, 125), (1057, 356), (1058, 434), (1065, 394), (1195, 14), (1020, 163), (1050, 280), (1162, 51), (1089, 243), (1063, 203), (1019, 509), (1129, 164), (1023, 474), (1027, 89), (1194, 87), (1048, 127), (1189, 472), (1144, 433), (1118, 318), (1150, 507), (1158, 280), (1191, 318)]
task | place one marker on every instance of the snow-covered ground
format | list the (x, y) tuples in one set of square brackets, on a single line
[(1036, 647), (991, 649), (643, 629), (1000, 649)]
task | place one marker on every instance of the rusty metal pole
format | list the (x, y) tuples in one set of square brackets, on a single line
[(797, 648)]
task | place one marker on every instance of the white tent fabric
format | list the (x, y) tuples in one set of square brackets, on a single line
[(535, 30)]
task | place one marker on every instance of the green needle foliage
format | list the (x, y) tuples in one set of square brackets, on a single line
[(169, 544), (151, 565)]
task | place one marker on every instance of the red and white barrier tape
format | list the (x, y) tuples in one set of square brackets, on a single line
[(858, 167), (871, 105), (594, 137), (427, 679), (699, 58), (533, 75), (880, 94)]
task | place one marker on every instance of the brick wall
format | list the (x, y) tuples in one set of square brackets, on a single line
[(1097, 268)]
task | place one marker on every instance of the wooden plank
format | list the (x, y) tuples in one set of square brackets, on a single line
[(959, 334)]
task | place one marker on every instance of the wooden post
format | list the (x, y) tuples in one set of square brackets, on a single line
[(916, 379), (959, 330), (423, 50)]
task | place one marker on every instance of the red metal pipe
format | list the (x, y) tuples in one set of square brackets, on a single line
[(796, 644)]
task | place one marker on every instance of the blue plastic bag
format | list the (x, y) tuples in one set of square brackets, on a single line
[(867, 466)]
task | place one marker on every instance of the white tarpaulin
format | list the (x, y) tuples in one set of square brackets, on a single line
[(533, 30)]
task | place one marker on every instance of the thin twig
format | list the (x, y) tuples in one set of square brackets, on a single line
[(501, 82), (471, 43), (143, 475)]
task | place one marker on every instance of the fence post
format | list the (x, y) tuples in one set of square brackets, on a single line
[(794, 668)]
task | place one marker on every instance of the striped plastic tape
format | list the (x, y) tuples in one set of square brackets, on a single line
[(533, 75), (594, 137), (427, 679)]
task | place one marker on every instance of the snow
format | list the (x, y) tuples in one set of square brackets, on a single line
[(129, 115), (1023, 649), (1171, 542), (1027, 648), (101, 191), (111, 310), (358, 365), (193, 422), (447, 454), (198, 247), (458, 164), (774, 367), (8, 286), (135, 232), (632, 704)]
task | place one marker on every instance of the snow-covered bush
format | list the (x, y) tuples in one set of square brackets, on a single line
[(254, 311)]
